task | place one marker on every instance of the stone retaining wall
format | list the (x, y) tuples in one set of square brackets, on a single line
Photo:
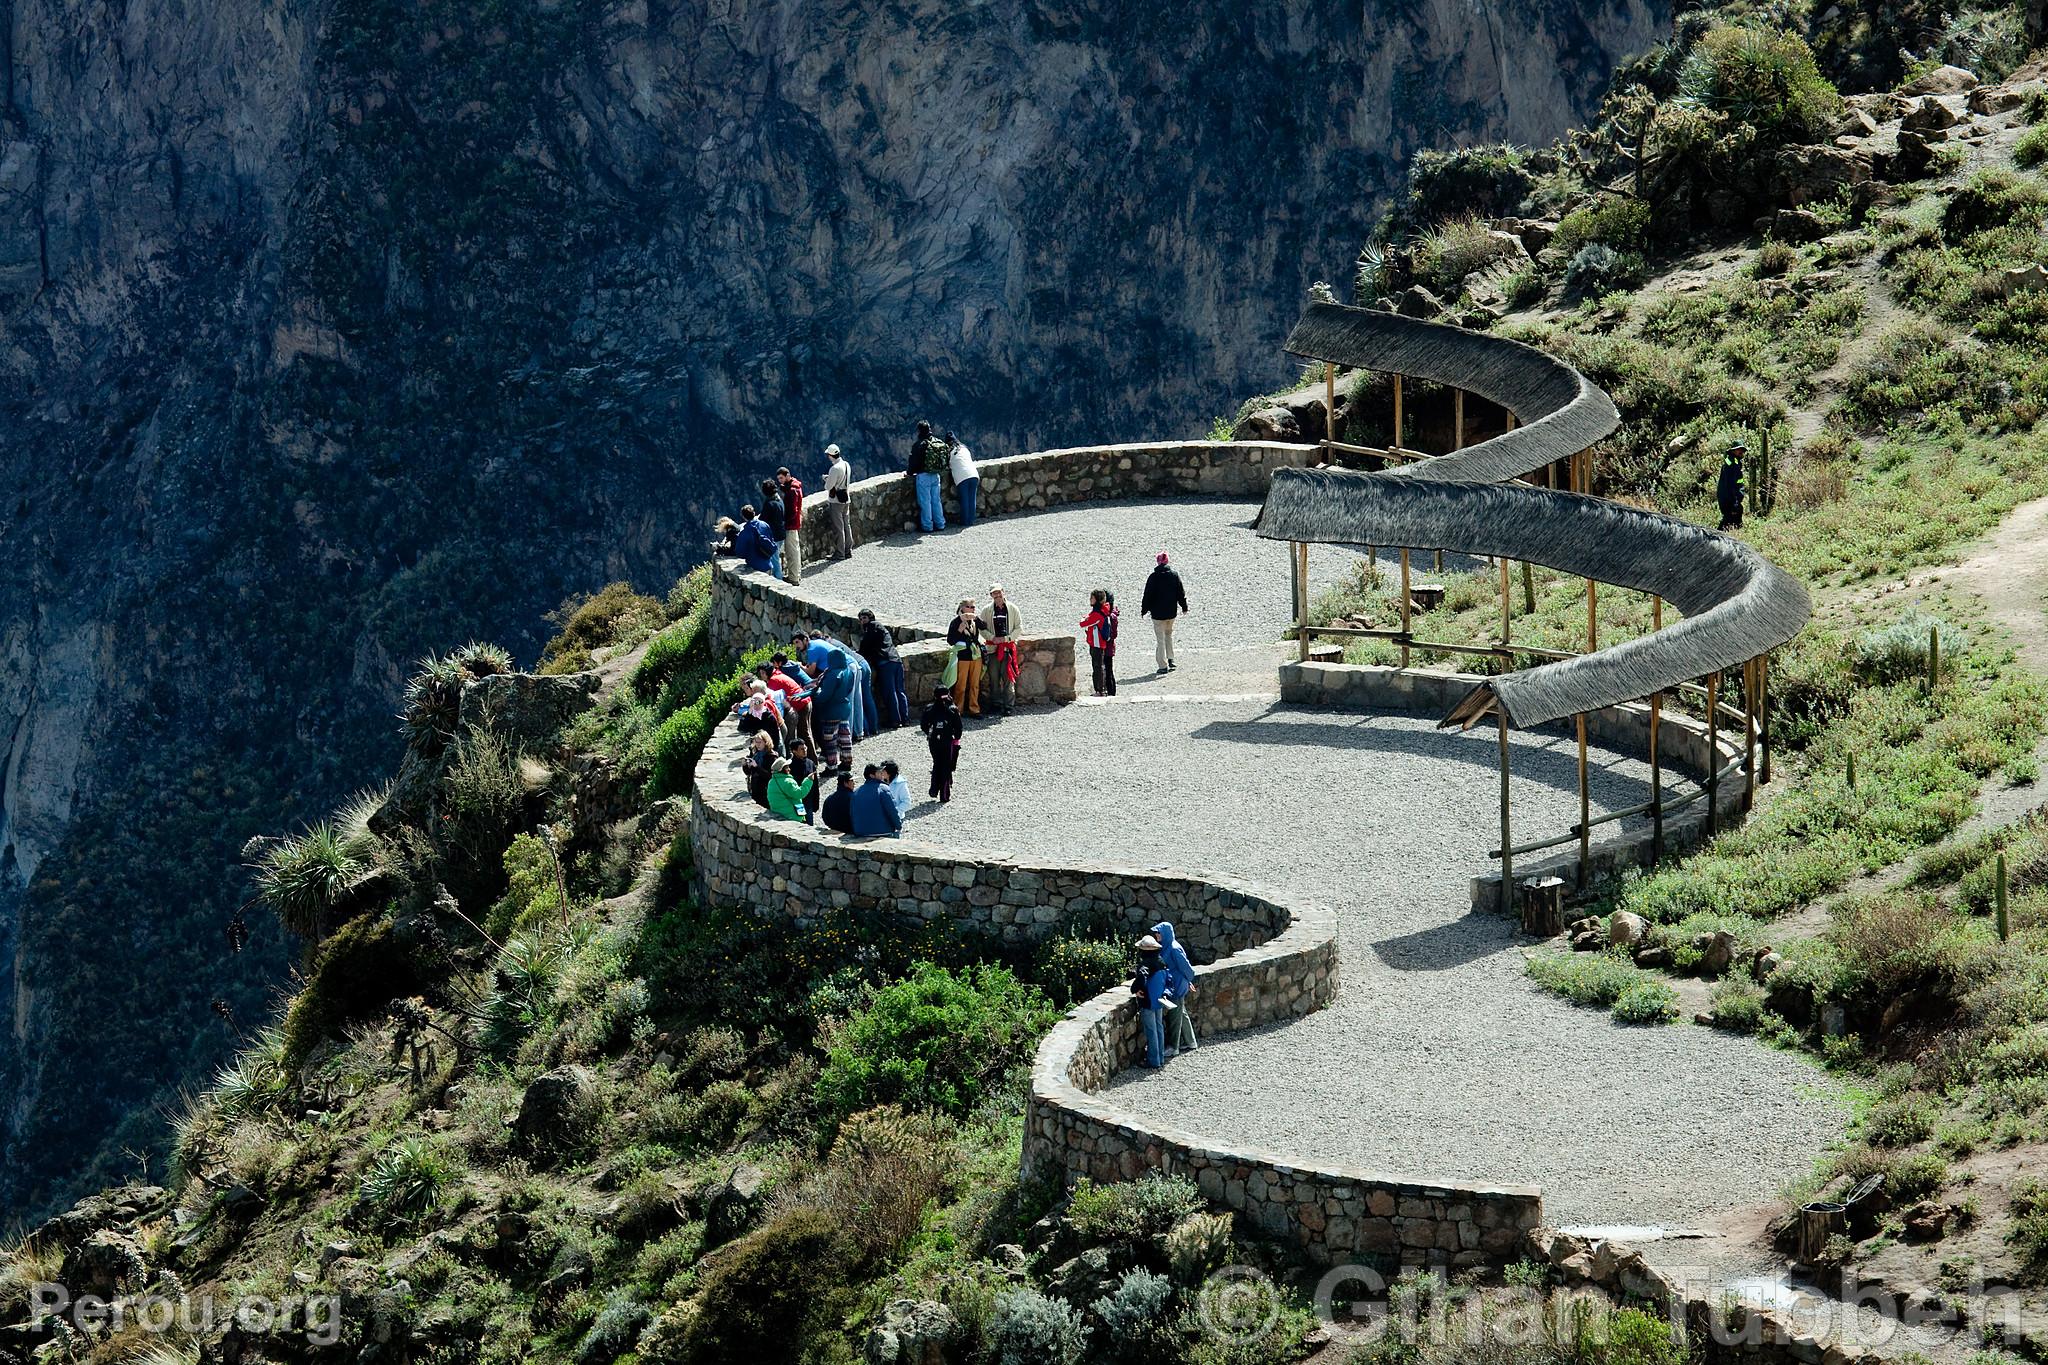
[(1681, 745), (1264, 963)]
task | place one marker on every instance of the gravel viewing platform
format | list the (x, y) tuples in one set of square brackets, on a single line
[(1439, 1060)]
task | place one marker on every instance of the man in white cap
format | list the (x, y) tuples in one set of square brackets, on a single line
[(838, 488), (1164, 600)]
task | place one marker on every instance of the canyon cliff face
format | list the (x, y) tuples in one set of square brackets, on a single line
[(334, 333)]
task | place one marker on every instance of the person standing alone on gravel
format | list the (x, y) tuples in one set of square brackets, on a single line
[(1164, 600), (838, 495), (929, 461), (942, 730), (966, 478)]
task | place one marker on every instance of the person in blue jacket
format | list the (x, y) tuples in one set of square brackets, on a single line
[(756, 546), (873, 811), (832, 702), (1180, 985), (816, 645), (1148, 989)]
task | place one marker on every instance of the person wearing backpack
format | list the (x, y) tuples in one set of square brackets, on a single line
[(1099, 628), (792, 524), (1148, 992), (838, 503), (929, 460)]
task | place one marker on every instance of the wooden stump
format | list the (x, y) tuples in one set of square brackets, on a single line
[(1543, 906), (1818, 1225), (1426, 596)]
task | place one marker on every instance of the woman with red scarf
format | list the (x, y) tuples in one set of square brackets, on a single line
[(1099, 626), (1002, 624)]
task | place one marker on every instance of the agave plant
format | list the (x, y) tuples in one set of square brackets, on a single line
[(255, 1082), (481, 660), (306, 878), (433, 703), (404, 1182)]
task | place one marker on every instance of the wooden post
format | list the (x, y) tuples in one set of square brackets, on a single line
[(1748, 734), (1397, 413), (1405, 608), (1656, 612), (1329, 403), (1820, 1224), (1504, 631), (1507, 843), (1585, 810), (1301, 595), (1457, 419), (1713, 752), (1763, 717), (1656, 781), (1592, 615), (1528, 588)]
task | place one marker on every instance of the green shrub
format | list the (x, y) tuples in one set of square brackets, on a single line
[(685, 645), (1900, 1122), (532, 890), (2032, 148), (936, 1040), (482, 799), (1994, 197), (1738, 1006), (307, 879), (1595, 980), (433, 704), (255, 1083), (1617, 222), (2029, 1235), (1765, 78), (1071, 969), (615, 1328), (614, 614), (1525, 288), (1487, 181), (1137, 1316), (1774, 258), (1132, 1211), (1198, 1245), (1027, 1328), (1597, 269), (1890, 946), (356, 976), (1916, 1176), (1888, 654), (1646, 1002), (764, 1296), (1454, 249), (681, 739), (403, 1183), (1635, 1337)]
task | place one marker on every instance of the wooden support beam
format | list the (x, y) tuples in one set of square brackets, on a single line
[(1585, 811), (1749, 734), (1656, 780), (1300, 553), (1592, 614), (1763, 714), (1457, 419), (1507, 844), (1406, 608), (1713, 752), (1397, 412), (1329, 401), (1505, 635)]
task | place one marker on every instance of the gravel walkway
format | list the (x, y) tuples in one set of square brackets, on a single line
[(1439, 1059)]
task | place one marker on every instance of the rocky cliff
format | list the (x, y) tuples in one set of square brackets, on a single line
[(334, 333)]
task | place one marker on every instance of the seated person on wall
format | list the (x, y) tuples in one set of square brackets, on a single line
[(873, 812), (838, 809)]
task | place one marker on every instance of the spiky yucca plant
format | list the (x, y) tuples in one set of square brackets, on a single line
[(306, 877), (255, 1082), (352, 823), (404, 1183), (480, 659), (433, 703)]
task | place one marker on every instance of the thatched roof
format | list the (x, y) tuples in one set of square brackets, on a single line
[(1736, 603), (1560, 411)]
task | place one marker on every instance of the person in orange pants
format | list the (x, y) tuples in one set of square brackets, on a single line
[(965, 637)]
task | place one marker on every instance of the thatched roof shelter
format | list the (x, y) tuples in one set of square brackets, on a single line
[(1737, 605)]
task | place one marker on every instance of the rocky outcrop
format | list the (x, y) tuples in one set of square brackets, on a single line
[(340, 334)]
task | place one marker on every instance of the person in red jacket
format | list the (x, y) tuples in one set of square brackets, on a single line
[(1099, 626), (792, 524)]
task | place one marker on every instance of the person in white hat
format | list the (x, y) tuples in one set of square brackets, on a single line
[(838, 491), (1148, 992)]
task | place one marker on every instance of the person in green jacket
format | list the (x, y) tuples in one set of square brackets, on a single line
[(786, 795)]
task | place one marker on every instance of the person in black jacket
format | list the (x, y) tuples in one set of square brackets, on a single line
[(773, 512), (942, 731), (1164, 600), (879, 649), (838, 810), (1728, 488)]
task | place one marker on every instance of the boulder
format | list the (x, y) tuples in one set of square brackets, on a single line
[(1999, 99), (1926, 1222), (1654, 957), (1625, 929), (1589, 941), (558, 1111), (528, 709), (1533, 233), (105, 1264), (1416, 301), (1807, 175), (1943, 80), (911, 1332), (1856, 123), (1009, 1258), (1928, 115), (1717, 952), (111, 1208), (1267, 424), (1883, 107), (1765, 964), (1797, 225), (734, 1204), (1911, 160), (2023, 279)]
